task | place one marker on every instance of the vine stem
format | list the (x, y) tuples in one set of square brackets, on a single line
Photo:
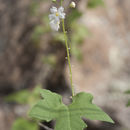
[(68, 55), (61, 2)]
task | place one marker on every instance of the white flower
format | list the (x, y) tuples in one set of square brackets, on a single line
[(72, 4), (55, 16)]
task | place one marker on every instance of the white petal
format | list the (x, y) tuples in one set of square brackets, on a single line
[(51, 17), (55, 26), (61, 12), (57, 20), (60, 9), (62, 15), (53, 9)]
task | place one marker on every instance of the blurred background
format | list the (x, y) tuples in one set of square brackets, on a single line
[(32, 56)]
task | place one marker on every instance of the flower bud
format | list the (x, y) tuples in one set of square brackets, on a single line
[(72, 4)]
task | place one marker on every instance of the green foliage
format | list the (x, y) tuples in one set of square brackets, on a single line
[(33, 8), (23, 124), (18, 97), (128, 103), (67, 117), (79, 33), (39, 31), (127, 92), (59, 37), (95, 3), (73, 16), (35, 5), (24, 96), (50, 60), (76, 52)]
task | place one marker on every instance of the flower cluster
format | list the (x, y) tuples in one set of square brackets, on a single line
[(55, 17)]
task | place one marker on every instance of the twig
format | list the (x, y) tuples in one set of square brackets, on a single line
[(44, 126)]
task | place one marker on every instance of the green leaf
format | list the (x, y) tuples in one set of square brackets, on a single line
[(25, 96), (67, 117), (127, 92), (74, 15), (23, 124), (19, 97), (34, 95), (95, 3), (128, 104)]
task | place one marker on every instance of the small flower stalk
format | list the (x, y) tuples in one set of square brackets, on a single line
[(55, 17)]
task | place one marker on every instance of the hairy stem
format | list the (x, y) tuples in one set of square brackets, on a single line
[(44, 126), (68, 56), (61, 2)]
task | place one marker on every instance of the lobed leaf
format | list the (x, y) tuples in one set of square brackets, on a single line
[(67, 117)]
